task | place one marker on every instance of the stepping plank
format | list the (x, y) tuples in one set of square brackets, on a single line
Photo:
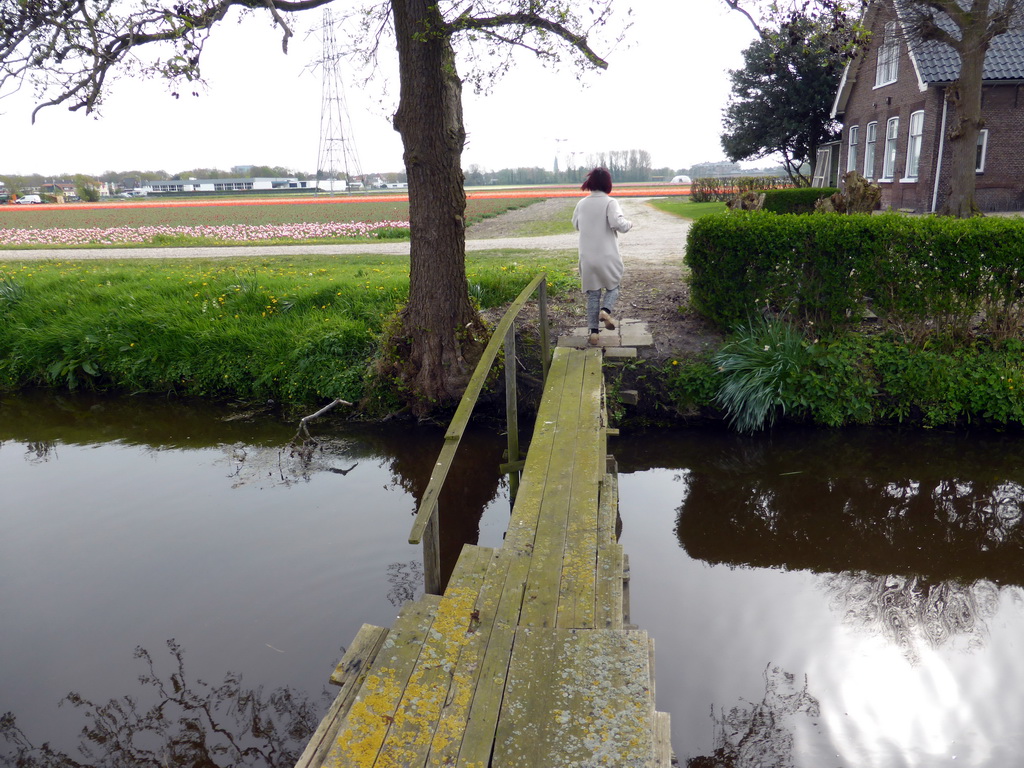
[(349, 674), (522, 528), (505, 588), (366, 725), (540, 602), (576, 698), (577, 591), (409, 739), (609, 609)]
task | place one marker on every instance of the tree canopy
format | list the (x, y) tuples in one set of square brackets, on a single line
[(782, 98)]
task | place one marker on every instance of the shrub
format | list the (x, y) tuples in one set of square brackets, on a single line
[(755, 367), (921, 276), (716, 190), (795, 200)]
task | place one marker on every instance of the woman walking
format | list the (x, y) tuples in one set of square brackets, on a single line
[(599, 219)]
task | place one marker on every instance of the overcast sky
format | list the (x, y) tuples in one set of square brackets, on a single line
[(663, 92)]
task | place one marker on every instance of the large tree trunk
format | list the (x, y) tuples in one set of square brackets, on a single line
[(964, 99), (441, 334)]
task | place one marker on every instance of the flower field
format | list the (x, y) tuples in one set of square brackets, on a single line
[(224, 233), (219, 222)]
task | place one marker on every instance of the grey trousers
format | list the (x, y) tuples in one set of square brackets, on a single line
[(595, 304)]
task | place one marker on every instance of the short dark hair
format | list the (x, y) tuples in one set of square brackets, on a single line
[(598, 180)]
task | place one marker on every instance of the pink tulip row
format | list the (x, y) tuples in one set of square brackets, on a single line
[(234, 233)]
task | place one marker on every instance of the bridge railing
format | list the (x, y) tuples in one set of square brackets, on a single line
[(425, 528)]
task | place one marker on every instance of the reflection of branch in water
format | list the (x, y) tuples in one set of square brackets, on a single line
[(41, 451), (406, 581), (907, 610), (191, 725), (295, 463), (760, 734)]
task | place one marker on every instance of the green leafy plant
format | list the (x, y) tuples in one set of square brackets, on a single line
[(755, 366)]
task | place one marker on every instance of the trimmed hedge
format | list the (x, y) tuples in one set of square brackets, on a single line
[(919, 275), (795, 200), (712, 189)]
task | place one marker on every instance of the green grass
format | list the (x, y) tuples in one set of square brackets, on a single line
[(294, 330), (688, 210)]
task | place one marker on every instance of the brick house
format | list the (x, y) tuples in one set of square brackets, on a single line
[(891, 102)]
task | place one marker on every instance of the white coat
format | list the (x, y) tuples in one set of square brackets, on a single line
[(599, 219)]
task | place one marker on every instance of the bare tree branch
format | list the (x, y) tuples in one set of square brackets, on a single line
[(527, 20)]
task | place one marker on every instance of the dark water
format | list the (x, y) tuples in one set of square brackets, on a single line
[(816, 599)]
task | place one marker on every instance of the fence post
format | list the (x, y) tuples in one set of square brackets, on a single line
[(545, 346), (432, 554), (511, 408)]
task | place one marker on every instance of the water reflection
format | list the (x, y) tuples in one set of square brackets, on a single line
[(181, 721), (911, 612), (949, 510), (127, 521), (885, 568), (762, 734)]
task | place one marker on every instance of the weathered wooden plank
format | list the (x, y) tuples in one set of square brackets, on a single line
[(663, 739), (471, 567), (366, 725), (609, 609), (540, 602), (522, 528), (452, 724), (576, 698), (577, 590), (359, 655), (349, 674), (478, 739), (416, 719)]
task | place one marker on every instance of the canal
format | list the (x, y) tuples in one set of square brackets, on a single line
[(816, 598)]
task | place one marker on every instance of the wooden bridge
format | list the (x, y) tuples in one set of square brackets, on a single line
[(527, 659)]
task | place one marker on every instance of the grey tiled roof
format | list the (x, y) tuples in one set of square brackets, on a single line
[(938, 63)]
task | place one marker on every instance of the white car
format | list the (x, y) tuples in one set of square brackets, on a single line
[(29, 200)]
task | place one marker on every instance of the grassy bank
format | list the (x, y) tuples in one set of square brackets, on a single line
[(293, 330), (763, 377)]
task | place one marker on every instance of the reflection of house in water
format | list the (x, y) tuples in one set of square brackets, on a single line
[(761, 734), (918, 549)]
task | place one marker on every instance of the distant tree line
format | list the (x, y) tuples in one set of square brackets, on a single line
[(626, 166)]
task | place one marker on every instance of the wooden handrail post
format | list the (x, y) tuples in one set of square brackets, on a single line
[(511, 408), (545, 345), (432, 555), (425, 528)]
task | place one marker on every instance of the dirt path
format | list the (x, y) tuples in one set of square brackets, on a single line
[(653, 288)]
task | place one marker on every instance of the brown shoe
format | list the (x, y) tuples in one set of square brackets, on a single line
[(595, 338), (607, 319)]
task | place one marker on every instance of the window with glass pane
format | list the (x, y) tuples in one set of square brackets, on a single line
[(979, 164), (887, 64), (914, 145), (889, 163), (851, 157), (869, 151)]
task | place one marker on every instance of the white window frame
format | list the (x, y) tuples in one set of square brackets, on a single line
[(892, 132), (853, 148), (979, 165), (870, 143), (887, 64), (914, 140)]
